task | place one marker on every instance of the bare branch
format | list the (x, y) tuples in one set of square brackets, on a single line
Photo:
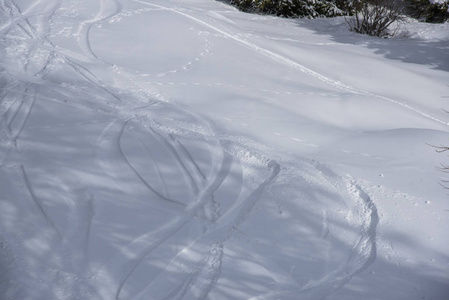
[(374, 17)]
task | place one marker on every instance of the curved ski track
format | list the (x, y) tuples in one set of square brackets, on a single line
[(295, 65), (363, 253), (196, 268)]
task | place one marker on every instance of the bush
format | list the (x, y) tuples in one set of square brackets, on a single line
[(374, 17), (443, 168), (295, 8), (425, 10), (429, 12)]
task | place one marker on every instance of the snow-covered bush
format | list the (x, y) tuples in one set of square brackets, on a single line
[(374, 17), (426, 10), (295, 8), (432, 11)]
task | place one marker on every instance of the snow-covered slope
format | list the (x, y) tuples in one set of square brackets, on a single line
[(184, 150)]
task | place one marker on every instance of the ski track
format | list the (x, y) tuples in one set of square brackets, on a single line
[(240, 87), (85, 27), (82, 224), (171, 146), (200, 177), (38, 203), (292, 64), (21, 116), (107, 145), (220, 232), (158, 171), (138, 174), (197, 273), (363, 253), (144, 245), (196, 281), (90, 77), (147, 243), (366, 246)]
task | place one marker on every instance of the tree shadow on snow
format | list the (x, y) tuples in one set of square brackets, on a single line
[(411, 50)]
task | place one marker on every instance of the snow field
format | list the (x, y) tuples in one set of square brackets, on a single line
[(185, 150)]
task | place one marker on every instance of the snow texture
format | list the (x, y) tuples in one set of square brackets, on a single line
[(185, 150)]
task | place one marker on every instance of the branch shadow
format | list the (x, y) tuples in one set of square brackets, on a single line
[(412, 50)]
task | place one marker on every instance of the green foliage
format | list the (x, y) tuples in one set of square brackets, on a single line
[(421, 9), (245, 5), (429, 12), (295, 8)]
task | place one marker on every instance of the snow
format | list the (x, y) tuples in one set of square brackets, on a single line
[(437, 1), (186, 150)]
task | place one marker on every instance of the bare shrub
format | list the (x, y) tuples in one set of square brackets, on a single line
[(443, 168), (374, 17)]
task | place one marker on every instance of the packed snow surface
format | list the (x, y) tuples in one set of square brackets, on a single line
[(181, 149)]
